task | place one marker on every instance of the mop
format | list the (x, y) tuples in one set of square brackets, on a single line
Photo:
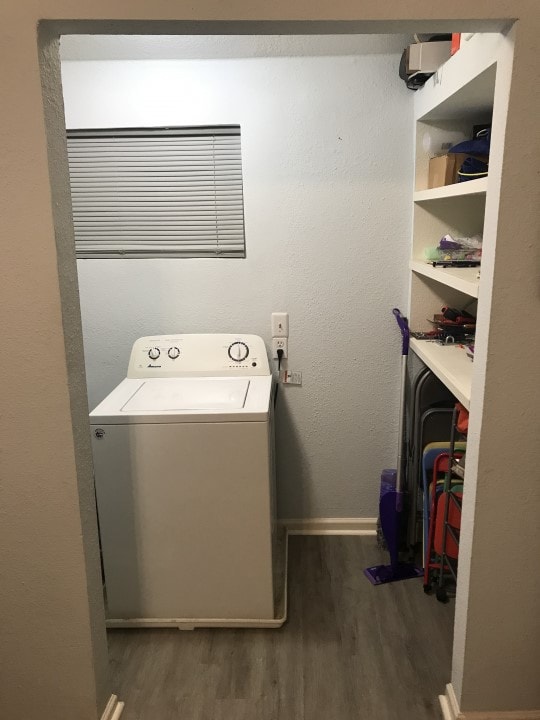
[(391, 498)]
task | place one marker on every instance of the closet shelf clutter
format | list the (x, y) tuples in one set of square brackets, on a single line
[(453, 109)]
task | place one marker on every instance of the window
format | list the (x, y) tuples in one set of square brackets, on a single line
[(161, 192)]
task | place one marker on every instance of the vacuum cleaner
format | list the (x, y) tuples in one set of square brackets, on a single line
[(391, 494)]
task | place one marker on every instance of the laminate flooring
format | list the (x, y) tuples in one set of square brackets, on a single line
[(348, 650)]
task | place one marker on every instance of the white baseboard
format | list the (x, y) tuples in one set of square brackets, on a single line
[(449, 704), (113, 709), (445, 708), (450, 710), (330, 526)]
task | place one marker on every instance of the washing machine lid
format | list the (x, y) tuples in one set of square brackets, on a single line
[(183, 394), (198, 399)]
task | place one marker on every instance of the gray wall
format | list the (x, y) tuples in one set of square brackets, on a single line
[(327, 162)]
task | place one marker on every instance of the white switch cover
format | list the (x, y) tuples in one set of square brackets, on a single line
[(280, 324)]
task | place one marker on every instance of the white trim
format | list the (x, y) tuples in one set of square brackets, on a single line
[(445, 708), (113, 709), (450, 710), (449, 704), (330, 526), (452, 700), (192, 623)]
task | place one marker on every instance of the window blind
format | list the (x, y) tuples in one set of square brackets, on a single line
[(164, 192)]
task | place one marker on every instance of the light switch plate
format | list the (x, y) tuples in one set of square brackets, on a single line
[(280, 324)]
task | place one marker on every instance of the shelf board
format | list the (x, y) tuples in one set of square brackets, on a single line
[(462, 279), (464, 85), (471, 187), (450, 364)]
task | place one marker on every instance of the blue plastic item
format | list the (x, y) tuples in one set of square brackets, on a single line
[(479, 145)]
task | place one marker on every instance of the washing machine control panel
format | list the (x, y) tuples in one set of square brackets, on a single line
[(238, 351), (218, 355)]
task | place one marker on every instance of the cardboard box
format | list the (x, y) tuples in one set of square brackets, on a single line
[(427, 57), (443, 170)]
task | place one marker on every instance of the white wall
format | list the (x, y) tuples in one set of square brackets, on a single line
[(327, 164)]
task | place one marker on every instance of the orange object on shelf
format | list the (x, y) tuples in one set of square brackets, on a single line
[(462, 423), (456, 41)]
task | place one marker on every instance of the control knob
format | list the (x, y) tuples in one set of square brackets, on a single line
[(154, 353), (173, 353), (238, 351)]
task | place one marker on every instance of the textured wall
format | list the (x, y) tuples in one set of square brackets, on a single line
[(327, 162), (53, 649), (500, 528)]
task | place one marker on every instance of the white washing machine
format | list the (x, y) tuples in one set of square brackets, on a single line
[(185, 486)]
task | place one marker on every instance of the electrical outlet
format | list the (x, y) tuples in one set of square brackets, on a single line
[(280, 325), (279, 343)]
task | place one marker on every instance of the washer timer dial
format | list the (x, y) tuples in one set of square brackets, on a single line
[(154, 353), (173, 353), (238, 351)]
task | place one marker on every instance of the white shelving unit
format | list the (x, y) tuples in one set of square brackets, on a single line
[(458, 96), (472, 187), (450, 364), (465, 280)]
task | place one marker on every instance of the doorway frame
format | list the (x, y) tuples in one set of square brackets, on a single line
[(105, 18)]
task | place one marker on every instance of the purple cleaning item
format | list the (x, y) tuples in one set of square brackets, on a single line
[(391, 495), (388, 482), (448, 243)]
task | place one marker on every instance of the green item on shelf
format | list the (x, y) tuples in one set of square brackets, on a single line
[(431, 254)]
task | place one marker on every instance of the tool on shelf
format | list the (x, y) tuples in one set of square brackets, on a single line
[(456, 263), (450, 326)]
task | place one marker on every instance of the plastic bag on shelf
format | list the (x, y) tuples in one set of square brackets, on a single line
[(455, 249)]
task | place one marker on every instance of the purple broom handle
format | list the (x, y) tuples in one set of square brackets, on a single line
[(404, 327)]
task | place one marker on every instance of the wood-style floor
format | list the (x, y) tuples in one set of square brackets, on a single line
[(348, 651)]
